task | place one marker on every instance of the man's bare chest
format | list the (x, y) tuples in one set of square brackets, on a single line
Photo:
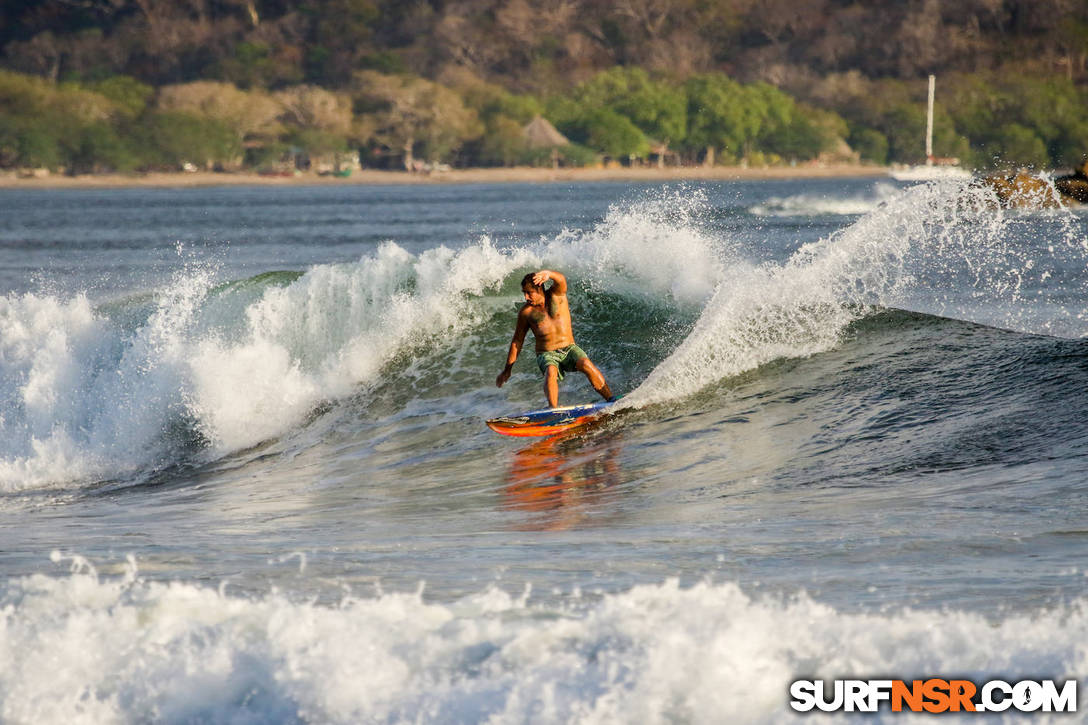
[(543, 323)]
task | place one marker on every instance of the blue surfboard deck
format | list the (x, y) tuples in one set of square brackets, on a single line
[(548, 421)]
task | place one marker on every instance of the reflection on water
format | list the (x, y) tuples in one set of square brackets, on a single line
[(562, 480)]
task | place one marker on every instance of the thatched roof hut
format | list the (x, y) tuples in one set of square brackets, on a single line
[(540, 134)]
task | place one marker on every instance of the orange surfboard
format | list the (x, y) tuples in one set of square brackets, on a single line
[(548, 421)]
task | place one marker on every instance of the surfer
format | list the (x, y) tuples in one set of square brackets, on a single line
[(547, 314)]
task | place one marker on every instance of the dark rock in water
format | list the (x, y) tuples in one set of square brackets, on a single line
[(1023, 191), (1074, 187)]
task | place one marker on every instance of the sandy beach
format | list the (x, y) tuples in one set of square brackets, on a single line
[(455, 176)]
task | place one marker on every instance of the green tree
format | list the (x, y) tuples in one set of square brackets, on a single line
[(38, 149), (128, 95), (177, 137), (248, 113), (314, 108), (578, 155), (787, 129), (871, 144), (489, 100), (27, 144), (797, 138), (1017, 145), (413, 114), (658, 109), (608, 132), (503, 115), (503, 143), (1069, 148), (259, 64), (9, 142), (317, 142), (95, 148), (22, 94), (1005, 116), (719, 116), (339, 37), (947, 142), (905, 129)]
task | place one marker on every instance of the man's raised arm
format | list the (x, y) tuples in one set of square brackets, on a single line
[(515, 347), (560, 286)]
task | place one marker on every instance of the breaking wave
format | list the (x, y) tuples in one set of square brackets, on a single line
[(85, 649)]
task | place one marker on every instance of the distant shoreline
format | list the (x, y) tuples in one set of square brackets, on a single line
[(456, 176)]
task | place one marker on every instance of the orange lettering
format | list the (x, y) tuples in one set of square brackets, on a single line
[(912, 695), (936, 691), (961, 693)]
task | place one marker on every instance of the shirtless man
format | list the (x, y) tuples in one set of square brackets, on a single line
[(547, 314)]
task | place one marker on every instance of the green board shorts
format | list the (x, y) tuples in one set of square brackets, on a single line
[(564, 359)]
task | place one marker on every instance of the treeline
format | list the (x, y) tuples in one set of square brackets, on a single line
[(990, 120), (624, 114), (120, 124), (119, 85)]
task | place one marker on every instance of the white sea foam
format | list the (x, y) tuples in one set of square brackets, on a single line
[(654, 249), (81, 398), (333, 329), (824, 205), (79, 649), (84, 399), (943, 248)]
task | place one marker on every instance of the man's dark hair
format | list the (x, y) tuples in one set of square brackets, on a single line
[(528, 280)]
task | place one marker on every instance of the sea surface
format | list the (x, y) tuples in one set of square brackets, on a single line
[(245, 477)]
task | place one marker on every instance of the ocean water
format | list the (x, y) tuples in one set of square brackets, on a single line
[(244, 475)]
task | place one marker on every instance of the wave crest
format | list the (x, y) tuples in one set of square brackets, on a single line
[(88, 394), (944, 249)]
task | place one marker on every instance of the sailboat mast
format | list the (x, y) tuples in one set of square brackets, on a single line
[(929, 124)]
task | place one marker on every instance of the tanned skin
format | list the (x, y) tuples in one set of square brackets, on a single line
[(547, 313)]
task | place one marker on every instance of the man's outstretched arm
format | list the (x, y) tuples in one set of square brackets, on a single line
[(560, 286), (515, 347)]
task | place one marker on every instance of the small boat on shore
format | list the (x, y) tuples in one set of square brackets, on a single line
[(934, 168)]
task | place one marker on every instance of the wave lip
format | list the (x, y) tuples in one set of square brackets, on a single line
[(207, 369), (333, 330), (942, 248), (82, 397), (87, 396)]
